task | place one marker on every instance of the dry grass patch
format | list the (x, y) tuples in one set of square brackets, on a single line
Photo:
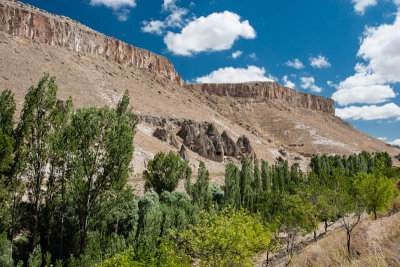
[(374, 243)]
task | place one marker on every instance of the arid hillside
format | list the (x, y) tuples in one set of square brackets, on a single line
[(95, 70)]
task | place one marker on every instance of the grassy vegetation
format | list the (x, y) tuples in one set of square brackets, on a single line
[(375, 243)]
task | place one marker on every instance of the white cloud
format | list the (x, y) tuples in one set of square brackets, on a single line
[(308, 83), (153, 26), (236, 75), (168, 4), (288, 83), (237, 54), (361, 5), (371, 112), (114, 4), (119, 7), (371, 84), (174, 20), (395, 142), (319, 62), (295, 63), (122, 14), (253, 56), (216, 32)]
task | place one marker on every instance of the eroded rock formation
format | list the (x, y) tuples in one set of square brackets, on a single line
[(268, 91), (27, 21), (204, 139), (244, 145), (166, 136)]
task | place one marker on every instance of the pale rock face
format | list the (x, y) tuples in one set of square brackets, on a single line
[(23, 20), (268, 91)]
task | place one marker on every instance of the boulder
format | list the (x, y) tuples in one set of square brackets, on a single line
[(230, 147), (166, 136), (202, 138), (244, 145), (205, 139)]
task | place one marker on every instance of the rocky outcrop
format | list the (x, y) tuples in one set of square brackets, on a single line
[(230, 147), (26, 21), (204, 139), (244, 145), (166, 136), (268, 91)]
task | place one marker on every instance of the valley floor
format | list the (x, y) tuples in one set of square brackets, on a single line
[(374, 243)]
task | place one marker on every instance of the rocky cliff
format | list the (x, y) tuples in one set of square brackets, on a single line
[(268, 91), (27, 21)]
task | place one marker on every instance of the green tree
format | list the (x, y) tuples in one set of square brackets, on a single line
[(102, 148), (231, 188), (149, 226), (246, 180), (266, 177), (7, 110), (5, 251), (201, 194), (349, 205), (37, 127), (225, 239), (165, 171), (376, 190)]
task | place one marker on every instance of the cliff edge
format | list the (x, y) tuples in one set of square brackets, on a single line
[(23, 20), (268, 91)]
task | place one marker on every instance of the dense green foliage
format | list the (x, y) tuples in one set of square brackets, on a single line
[(165, 171), (219, 239), (64, 198)]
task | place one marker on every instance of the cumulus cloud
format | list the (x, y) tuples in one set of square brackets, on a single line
[(252, 56), (216, 32), (174, 20), (319, 62), (153, 26), (372, 112), (236, 75), (308, 83), (361, 5), (119, 7), (372, 82), (169, 4), (288, 83), (237, 54), (114, 4), (395, 142), (295, 63)]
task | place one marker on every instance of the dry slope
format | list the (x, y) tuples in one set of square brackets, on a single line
[(95, 70)]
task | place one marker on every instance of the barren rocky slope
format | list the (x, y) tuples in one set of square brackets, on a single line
[(95, 70)]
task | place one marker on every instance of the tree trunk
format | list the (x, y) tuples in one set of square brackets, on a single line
[(267, 262), (35, 225), (348, 241), (326, 226), (116, 227), (315, 235), (375, 216)]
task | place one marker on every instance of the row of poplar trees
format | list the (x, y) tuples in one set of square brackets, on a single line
[(57, 165)]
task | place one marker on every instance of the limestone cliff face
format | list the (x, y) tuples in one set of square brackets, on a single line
[(26, 21), (268, 91)]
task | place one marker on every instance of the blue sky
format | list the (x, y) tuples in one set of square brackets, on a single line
[(345, 49)]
